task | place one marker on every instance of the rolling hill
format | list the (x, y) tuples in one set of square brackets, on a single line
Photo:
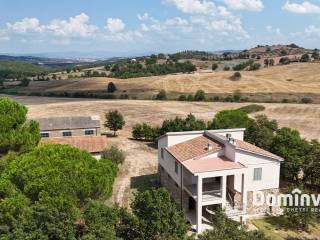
[(269, 84)]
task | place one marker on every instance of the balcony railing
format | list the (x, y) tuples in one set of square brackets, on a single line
[(210, 191)]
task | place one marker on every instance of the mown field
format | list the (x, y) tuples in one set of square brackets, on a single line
[(304, 118), (293, 81)]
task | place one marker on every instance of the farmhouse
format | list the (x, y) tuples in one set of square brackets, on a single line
[(82, 132), (204, 170)]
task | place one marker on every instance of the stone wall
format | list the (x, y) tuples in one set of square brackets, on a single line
[(264, 209), (173, 188)]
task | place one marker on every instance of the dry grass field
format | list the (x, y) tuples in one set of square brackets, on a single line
[(141, 161), (289, 79)]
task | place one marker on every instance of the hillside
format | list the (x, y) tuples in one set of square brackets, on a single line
[(16, 69), (268, 84), (277, 50)]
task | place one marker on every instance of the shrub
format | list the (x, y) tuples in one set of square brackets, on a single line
[(145, 132), (113, 153), (111, 87), (284, 60), (25, 82), (200, 96), (162, 95), (236, 76), (226, 68), (190, 97), (254, 66), (306, 100), (237, 96), (305, 58), (182, 98), (214, 67), (252, 108)]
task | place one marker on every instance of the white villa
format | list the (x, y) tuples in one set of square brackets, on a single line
[(206, 169)]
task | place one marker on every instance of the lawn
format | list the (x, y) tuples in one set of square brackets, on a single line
[(275, 230)]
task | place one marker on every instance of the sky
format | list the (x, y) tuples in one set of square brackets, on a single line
[(144, 26)]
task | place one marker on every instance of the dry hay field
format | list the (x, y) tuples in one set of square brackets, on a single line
[(290, 79), (303, 117)]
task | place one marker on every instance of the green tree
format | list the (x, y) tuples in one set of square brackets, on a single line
[(113, 153), (114, 121), (214, 67), (230, 119), (16, 133), (61, 170), (111, 87), (261, 132), (200, 96), (226, 229), (289, 145), (159, 216), (315, 54), (162, 95), (100, 221), (300, 215), (305, 58)]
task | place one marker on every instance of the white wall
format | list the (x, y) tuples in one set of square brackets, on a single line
[(270, 172), (168, 163), (182, 137), (235, 133)]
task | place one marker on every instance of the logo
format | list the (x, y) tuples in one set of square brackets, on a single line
[(290, 201)]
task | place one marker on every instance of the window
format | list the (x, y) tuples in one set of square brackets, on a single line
[(67, 134), (89, 132), (162, 153), (44, 135), (257, 174), (176, 167)]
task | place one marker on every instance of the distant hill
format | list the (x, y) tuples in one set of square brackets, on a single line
[(41, 61), (277, 50), (17, 69)]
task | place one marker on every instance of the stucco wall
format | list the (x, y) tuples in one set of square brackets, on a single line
[(270, 172), (75, 132)]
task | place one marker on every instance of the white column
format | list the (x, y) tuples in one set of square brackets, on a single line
[(224, 190), (199, 205), (244, 193)]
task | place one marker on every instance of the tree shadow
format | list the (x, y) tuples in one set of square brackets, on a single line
[(144, 182)]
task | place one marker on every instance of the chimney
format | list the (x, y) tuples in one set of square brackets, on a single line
[(228, 136), (209, 147)]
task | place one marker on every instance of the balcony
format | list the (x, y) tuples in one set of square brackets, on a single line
[(211, 192)]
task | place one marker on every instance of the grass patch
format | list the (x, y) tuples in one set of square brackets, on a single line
[(275, 229), (143, 183), (252, 108)]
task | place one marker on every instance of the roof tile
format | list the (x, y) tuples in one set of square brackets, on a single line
[(195, 147)]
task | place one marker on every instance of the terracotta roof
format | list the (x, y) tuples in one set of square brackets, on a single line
[(211, 164), (93, 144), (72, 122), (242, 145), (195, 147)]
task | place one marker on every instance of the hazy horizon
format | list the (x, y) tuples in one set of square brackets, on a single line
[(131, 27)]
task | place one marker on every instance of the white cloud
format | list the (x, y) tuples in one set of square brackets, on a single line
[(26, 25), (193, 6), (312, 30), (249, 5), (115, 25), (73, 27), (301, 8), (77, 26), (271, 29)]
